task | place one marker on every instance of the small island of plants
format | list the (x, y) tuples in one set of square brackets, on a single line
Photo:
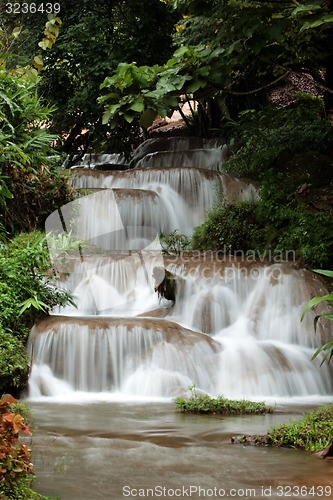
[(203, 403), (313, 433)]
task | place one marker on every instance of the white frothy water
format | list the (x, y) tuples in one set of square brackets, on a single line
[(232, 331), (140, 358), (92, 160), (239, 337), (197, 187), (211, 159)]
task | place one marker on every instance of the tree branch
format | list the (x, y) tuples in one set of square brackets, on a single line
[(184, 117), (259, 89)]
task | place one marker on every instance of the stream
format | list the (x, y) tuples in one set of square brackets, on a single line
[(114, 450)]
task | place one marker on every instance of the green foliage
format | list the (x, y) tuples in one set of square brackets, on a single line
[(14, 367), (30, 183), (228, 56), (326, 348), (23, 142), (264, 226), (35, 196), (25, 275), (265, 135), (262, 42), (143, 92), (28, 291), (314, 15), (308, 233), (313, 433), (93, 39), (221, 405), (289, 153), (174, 243), (22, 490), (229, 228)]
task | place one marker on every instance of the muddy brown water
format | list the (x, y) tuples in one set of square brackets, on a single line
[(115, 450)]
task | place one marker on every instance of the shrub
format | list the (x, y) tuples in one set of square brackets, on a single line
[(290, 153), (31, 186), (14, 456), (268, 225), (28, 291), (14, 367), (310, 235), (230, 228), (266, 134), (16, 469), (174, 243), (35, 195)]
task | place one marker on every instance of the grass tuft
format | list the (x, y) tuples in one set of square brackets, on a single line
[(313, 433), (198, 403)]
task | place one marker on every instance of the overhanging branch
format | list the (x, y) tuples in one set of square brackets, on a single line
[(259, 89)]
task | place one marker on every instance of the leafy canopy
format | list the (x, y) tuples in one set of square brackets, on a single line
[(232, 51)]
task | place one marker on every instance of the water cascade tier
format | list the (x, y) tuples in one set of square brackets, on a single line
[(102, 161), (174, 145), (143, 357), (148, 325), (198, 186)]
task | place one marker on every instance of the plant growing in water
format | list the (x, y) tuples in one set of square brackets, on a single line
[(202, 403), (312, 433), (174, 243)]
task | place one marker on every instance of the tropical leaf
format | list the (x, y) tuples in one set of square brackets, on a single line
[(147, 118), (328, 347), (314, 302), (324, 272), (138, 105), (325, 19), (301, 9), (33, 302)]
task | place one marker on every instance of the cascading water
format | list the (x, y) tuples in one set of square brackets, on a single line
[(196, 186), (195, 158), (234, 328), (91, 160)]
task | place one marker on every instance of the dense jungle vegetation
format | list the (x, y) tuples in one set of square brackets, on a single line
[(96, 75)]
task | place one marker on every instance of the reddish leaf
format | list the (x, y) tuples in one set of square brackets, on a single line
[(5, 401), (15, 420)]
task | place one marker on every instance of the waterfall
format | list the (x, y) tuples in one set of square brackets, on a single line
[(91, 160), (234, 328), (178, 144), (145, 357), (197, 186), (195, 158)]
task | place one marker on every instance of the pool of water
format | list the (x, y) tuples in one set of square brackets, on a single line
[(116, 450)]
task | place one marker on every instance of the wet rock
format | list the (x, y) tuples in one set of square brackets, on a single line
[(326, 452), (252, 440), (111, 166), (165, 283)]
